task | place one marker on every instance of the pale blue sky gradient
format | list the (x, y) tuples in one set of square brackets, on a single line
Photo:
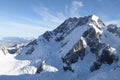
[(31, 18)]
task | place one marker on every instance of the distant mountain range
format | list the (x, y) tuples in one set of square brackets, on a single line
[(11, 41)]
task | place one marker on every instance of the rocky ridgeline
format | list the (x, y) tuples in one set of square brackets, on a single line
[(90, 38)]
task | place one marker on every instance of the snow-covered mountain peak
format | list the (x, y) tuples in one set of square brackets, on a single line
[(94, 17), (96, 21), (79, 45), (72, 23)]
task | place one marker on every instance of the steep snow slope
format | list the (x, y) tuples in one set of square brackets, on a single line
[(73, 51), (110, 38), (4, 62)]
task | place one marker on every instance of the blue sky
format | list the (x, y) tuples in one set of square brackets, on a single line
[(31, 18)]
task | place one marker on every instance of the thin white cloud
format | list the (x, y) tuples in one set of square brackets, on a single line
[(48, 17), (36, 21), (26, 26), (75, 7), (28, 29), (53, 19), (117, 22)]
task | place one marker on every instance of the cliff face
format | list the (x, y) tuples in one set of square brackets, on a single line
[(114, 29)]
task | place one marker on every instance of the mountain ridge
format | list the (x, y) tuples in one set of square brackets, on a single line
[(78, 47)]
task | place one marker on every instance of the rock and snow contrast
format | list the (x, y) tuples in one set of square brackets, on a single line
[(79, 49)]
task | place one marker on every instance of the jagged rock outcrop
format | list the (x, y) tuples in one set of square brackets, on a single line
[(40, 68), (47, 35), (93, 40), (30, 47), (114, 29), (12, 51), (107, 55), (78, 51)]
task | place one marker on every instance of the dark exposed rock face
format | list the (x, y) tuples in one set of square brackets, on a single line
[(47, 35), (12, 51), (34, 42), (96, 65), (40, 68), (114, 29), (93, 40), (83, 21), (66, 26), (78, 51), (59, 38), (107, 56), (30, 50), (31, 47)]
